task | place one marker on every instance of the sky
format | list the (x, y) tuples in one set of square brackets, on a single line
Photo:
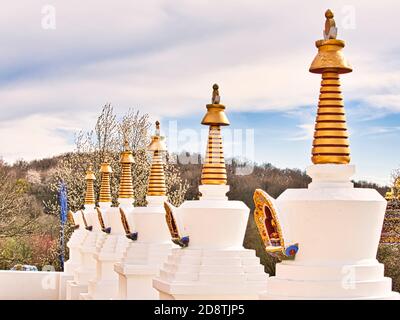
[(61, 61)]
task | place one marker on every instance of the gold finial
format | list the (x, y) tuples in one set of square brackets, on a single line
[(126, 145), (330, 31), (214, 170), (105, 188), (156, 184), (330, 143), (215, 96), (126, 185), (90, 178)]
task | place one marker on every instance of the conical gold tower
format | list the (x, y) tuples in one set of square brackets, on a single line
[(105, 188), (126, 185), (330, 145), (156, 184), (90, 178), (214, 170)]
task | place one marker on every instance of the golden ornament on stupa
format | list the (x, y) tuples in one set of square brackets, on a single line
[(330, 145), (156, 184), (214, 170), (105, 188), (126, 185), (90, 197)]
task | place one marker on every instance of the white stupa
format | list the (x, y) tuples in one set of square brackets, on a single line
[(152, 242), (84, 272), (212, 263), (331, 230), (77, 237)]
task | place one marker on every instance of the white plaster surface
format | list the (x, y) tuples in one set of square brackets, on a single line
[(338, 229)]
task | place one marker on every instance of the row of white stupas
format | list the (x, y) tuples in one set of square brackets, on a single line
[(326, 236)]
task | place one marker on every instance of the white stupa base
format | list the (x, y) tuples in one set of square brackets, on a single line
[(69, 267), (142, 262), (359, 281), (337, 228), (74, 290), (87, 270), (136, 282), (64, 278), (104, 282), (211, 274)]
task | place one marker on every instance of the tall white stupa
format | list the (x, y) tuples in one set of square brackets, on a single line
[(212, 263), (327, 234)]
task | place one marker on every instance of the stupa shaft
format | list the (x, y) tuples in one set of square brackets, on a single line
[(156, 185), (105, 188), (90, 197), (126, 184), (214, 170), (330, 143)]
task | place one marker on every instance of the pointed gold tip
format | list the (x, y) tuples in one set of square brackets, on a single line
[(329, 14), (89, 173), (126, 145), (215, 95), (90, 177)]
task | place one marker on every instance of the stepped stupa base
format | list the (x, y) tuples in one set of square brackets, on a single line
[(337, 228), (85, 272), (136, 282), (74, 290), (211, 274), (333, 282), (142, 263), (103, 284)]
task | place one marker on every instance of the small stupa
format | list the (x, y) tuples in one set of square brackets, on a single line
[(104, 282), (79, 234), (151, 245), (327, 235), (93, 239), (212, 263)]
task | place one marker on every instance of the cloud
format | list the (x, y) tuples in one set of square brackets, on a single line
[(34, 137)]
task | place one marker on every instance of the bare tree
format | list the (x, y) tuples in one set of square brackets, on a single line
[(17, 215), (106, 142)]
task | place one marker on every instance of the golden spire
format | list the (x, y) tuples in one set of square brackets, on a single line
[(105, 189), (214, 170), (125, 185), (156, 184), (90, 178), (330, 143)]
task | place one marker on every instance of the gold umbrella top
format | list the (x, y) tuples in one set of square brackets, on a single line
[(157, 141), (127, 155), (215, 111), (330, 54), (90, 174)]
